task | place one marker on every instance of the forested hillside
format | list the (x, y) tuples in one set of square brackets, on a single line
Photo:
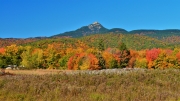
[(99, 51), (10, 41), (133, 41), (157, 33)]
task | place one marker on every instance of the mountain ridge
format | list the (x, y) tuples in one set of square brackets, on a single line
[(135, 39), (97, 28)]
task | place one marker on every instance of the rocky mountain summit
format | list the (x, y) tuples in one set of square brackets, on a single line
[(95, 26), (84, 31)]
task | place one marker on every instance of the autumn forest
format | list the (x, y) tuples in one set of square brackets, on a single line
[(94, 52)]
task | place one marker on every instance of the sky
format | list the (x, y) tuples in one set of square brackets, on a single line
[(39, 18)]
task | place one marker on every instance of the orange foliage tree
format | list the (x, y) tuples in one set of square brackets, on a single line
[(93, 62), (51, 57), (110, 60), (133, 55), (178, 56), (83, 61), (73, 63), (2, 50)]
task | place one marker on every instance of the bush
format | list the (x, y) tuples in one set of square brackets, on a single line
[(63, 62), (141, 63)]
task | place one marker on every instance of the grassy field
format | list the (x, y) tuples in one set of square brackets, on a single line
[(41, 85), (35, 72)]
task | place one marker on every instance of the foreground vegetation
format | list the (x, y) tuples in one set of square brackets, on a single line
[(93, 52), (146, 85), (81, 56)]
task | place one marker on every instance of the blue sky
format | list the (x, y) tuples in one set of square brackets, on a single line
[(31, 18)]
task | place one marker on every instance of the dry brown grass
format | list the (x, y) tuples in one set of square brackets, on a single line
[(148, 85), (35, 72)]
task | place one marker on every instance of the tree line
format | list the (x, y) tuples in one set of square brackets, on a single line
[(81, 56)]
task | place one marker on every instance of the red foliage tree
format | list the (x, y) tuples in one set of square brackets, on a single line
[(152, 54), (70, 64)]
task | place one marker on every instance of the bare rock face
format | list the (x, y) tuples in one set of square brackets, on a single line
[(95, 26)]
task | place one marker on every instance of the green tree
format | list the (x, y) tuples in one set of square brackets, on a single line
[(3, 63), (113, 64), (13, 54), (124, 55), (122, 46), (101, 62), (63, 61), (101, 45)]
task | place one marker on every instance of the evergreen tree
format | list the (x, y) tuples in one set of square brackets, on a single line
[(122, 46), (101, 61), (3, 64), (99, 54), (113, 64), (101, 45), (124, 55)]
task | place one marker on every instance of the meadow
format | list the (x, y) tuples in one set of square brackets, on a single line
[(100, 85)]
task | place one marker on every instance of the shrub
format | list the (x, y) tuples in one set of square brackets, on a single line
[(63, 61), (141, 63)]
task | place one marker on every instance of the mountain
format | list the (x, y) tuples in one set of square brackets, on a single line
[(117, 30), (93, 28), (170, 37), (97, 28), (160, 34)]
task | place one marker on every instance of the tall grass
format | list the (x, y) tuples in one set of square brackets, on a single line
[(148, 85)]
